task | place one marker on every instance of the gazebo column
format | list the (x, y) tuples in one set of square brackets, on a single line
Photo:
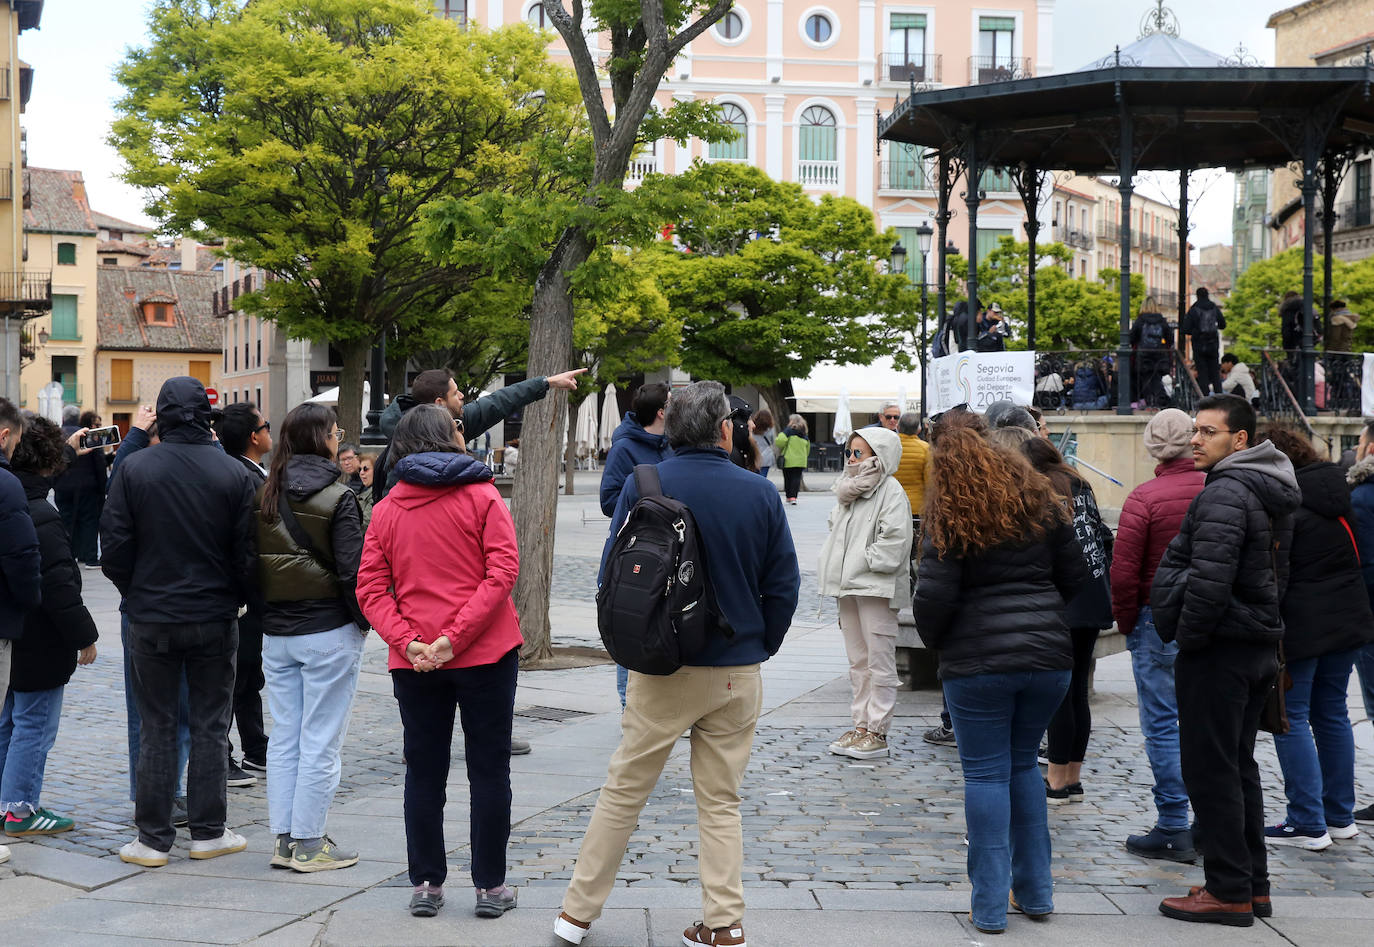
[(1126, 165), (1028, 185), (1307, 365), (1333, 169), (972, 173), (1183, 258), (942, 216)]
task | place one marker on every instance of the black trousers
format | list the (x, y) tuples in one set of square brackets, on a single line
[(791, 481), (248, 684), (484, 696), (1208, 371), (1072, 723), (80, 510), (160, 653), (1221, 691)]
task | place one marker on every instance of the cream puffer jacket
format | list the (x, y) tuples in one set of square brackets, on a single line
[(868, 551)]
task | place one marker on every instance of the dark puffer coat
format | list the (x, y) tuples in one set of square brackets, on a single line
[(1323, 610), (1361, 480), (1000, 610), (1223, 575), (20, 586), (1150, 518), (45, 657)]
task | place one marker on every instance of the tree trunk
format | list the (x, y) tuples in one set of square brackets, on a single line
[(396, 374), (570, 451), (776, 399), (534, 500), (350, 408)]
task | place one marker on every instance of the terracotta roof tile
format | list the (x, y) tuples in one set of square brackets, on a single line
[(58, 203), (120, 291)]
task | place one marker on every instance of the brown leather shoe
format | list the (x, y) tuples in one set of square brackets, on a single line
[(1260, 904), (699, 933), (1200, 906)]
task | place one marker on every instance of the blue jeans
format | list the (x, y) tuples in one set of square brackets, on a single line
[(1317, 754), (622, 680), (133, 722), (998, 722), (1152, 662), (1364, 663), (311, 680), (28, 729)]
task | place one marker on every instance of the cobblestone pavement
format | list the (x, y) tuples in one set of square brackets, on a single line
[(883, 837)]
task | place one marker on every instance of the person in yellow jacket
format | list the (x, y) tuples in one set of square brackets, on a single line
[(915, 463)]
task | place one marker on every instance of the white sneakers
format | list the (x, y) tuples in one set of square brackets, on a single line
[(4, 854), (226, 844), (136, 853), (570, 930)]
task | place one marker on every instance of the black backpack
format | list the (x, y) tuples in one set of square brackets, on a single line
[(655, 609), (1152, 334), (1207, 320)]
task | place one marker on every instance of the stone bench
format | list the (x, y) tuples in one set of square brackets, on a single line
[(917, 665)]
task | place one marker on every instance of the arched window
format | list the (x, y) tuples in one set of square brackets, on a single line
[(818, 149), (536, 17), (737, 149)]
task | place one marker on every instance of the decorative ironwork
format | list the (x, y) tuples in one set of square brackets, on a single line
[(1240, 59), (983, 70), (1114, 60), (1159, 20)]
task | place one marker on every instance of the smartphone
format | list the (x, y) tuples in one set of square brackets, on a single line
[(100, 437)]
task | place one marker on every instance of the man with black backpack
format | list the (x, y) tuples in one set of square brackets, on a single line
[(1151, 338), (1203, 324), (745, 545)]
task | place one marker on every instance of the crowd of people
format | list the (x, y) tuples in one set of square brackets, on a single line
[(1246, 551)]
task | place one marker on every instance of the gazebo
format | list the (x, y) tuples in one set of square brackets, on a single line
[(1159, 104)]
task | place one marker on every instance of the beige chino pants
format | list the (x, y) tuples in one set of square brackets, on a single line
[(721, 705), (870, 640)]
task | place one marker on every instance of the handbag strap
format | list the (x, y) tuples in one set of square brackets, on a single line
[(301, 538), (1349, 532)]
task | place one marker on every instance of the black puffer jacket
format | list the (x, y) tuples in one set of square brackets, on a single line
[(1222, 575), (60, 626), (177, 536), (1001, 610), (1323, 608), (20, 586)]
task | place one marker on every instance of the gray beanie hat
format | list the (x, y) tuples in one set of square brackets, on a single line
[(1009, 414), (1168, 434)]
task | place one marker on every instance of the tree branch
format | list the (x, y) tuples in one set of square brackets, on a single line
[(718, 10), (570, 28)]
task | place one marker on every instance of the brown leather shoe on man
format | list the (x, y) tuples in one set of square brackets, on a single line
[(1202, 907), (1261, 905), (731, 936)]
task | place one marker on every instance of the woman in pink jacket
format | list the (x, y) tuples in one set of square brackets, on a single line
[(438, 566)]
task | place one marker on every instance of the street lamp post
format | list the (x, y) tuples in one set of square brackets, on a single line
[(372, 433), (923, 235)]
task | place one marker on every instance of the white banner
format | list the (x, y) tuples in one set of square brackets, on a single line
[(1367, 386), (979, 378)]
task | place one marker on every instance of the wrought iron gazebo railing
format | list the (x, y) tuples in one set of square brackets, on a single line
[(1277, 401), (1340, 383), (1086, 380)]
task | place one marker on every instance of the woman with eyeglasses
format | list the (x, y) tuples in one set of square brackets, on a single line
[(310, 541), (999, 559), (866, 564), (455, 643), (367, 463)]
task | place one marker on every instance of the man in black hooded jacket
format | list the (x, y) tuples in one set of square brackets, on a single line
[(1203, 324), (1217, 591), (178, 541)]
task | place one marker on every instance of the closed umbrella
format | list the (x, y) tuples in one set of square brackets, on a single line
[(843, 423), (584, 435), (610, 418)]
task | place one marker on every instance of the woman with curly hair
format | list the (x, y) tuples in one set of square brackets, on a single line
[(998, 561)]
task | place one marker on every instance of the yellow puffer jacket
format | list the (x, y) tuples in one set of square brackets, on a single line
[(911, 472)]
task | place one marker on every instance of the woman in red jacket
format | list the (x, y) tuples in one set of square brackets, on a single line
[(439, 563)]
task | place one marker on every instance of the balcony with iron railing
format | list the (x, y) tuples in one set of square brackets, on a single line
[(1109, 230), (818, 173), (1350, 215), (905, 68), (905, 174), (996, 181), (985, 69), (1072, 237), (29, 291)]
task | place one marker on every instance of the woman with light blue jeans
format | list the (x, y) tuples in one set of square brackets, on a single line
[(999, 559), (310, 538)]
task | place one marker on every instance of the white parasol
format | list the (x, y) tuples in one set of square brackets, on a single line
[(610, 418), (584, 435), (843, 422), (330, 396)]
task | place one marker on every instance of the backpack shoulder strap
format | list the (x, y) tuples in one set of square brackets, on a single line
[(647, 482), (300, 537)]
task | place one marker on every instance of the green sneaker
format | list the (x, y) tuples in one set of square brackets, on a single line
[(282, 851), (41, 822), (324, 858)]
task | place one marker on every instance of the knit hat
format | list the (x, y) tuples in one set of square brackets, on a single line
[(1168, 434)]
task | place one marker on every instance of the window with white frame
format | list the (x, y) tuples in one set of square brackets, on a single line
[(818, 148), (730, 26), (737, 148), (536, 17), (906, 47), (456, 10)]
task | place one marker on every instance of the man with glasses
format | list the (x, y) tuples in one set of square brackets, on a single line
[(1217, 592), (179, 542), (889, 416)]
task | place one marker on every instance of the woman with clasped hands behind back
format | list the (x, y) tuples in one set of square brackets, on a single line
[(998, 561), (439, 563)]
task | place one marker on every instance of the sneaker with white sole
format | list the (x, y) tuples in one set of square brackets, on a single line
[(325, 858), (226, 844), (1365, 816), (839, 746), (38, 822), (1343, 832), (493, 902), (870, 746), (282, 850), (731, 936), (1285, 834), (4, 854), (568, 928), (940, 735), (237, 778), (136, 853)]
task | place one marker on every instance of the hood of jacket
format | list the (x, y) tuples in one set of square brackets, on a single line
[(422, 476), (1324, 490), (1267, 471), (1178, 465), (36, 486), (632, 429), (183, 412), (1205, 303), (308, 474), (392, 415), (887, 447), (1362, 471)]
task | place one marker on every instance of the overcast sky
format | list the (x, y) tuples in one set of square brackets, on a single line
[(76, 49)]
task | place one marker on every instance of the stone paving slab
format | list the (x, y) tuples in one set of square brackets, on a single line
[(69, 868), (1351, 908), (299, 934), (27, 894), (793, 929), (195, 890), (200, 924)]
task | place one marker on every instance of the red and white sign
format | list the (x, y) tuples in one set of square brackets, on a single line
[(213, 395)]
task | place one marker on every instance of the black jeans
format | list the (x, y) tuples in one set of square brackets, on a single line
[(1072, 723), (1221, 690), (161, 652), (791, 481), (79, 510), (248, 684), (1208, 371), (485, 698)]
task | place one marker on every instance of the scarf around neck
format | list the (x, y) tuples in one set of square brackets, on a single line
[(858, 480)]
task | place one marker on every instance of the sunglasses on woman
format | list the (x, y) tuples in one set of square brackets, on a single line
[(856, 453)]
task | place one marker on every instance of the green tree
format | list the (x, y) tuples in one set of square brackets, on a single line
[(767, 283), (310, 134), (1252, 310)]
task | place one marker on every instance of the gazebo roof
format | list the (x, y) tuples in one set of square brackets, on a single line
[(1182, 117), (1160, 51)]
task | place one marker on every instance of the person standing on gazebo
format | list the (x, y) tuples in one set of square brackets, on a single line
[(1203, 324)]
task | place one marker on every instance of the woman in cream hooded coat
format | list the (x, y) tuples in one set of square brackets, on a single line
[(865, 564)]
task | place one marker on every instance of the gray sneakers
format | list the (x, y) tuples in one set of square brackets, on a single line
[(282, 850), (493, 902), (325, 858)]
